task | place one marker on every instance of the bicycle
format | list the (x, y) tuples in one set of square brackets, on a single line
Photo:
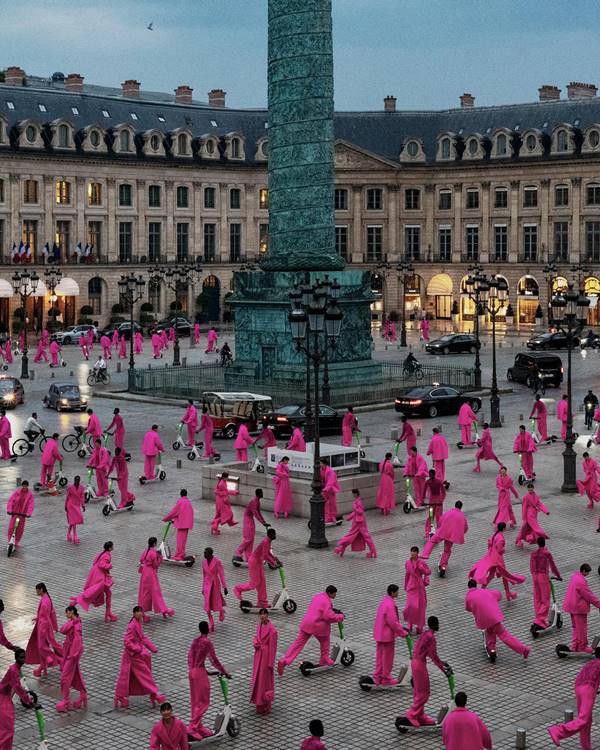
[(73, 440), (23, 446), (415, 371), (98, 377), (537, 384)]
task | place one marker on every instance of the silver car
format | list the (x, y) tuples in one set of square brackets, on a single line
[(71, 335)]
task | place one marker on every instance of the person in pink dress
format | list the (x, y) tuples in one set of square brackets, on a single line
[(118, 429), (122, 348), (74, 508), (169, 733), (284, 500), (115, 338), (106, 347), (182, 517), (151, 448), (330, 489), (435, 494), (138, 343), (541, 564), (90, 338), (42, 647), (190, 420), (10, 685), (483, 605), (135, 673), (577, 602), (267, 440), (241, 444), (156, 345), (119, 470), (314, 741), (223, 511), (214, 587), (359, 537), (416, 470), (349, 427), (416, 580), (492, 565), (486, 450), (201, 650), (589, 485), (211, 340), (386, 628), (97, 589), (408, 435), (196, 333), (438, 450), (524, 445), (70, 670), (252, 513), (256, 570), (466, 418), (40, 352), (263, 664), (386, 491), (150, 597), (562, 414), (164, 339), (505, 487), (424, 326), (296, 441), (463, 729), (539, 412), (530, 529), (50, 455), (20, 506), (5, 436), (207, 426), (451, 530)]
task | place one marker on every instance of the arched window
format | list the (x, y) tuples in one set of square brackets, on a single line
[(446, 148), (562, 141), (182, 144), (63, 136), (124, 141), (95, 138), (235, 148), (501, 144)]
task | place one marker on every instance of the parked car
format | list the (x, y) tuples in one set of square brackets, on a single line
[(183, 328), (529, 367), (65, 396), (283, 420), (71, 335), (590, 340), (434, 400), (11, 392), (229, 410), (558, 340), (453, 343), (123, 328)]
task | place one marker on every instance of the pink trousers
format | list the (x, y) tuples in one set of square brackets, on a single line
[(46, 474), (527, 464), (241, 454), (421, 692), (465, 434), (149, 467), (182, 535), (5, 449), (418, 484), (579, 637), (541, 598), (301, 641), (384, 662), (586, 696), (431, 543), (440, 470), (499, 631)]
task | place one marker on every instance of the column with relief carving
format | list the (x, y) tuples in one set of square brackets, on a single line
[(485, 252), (513, 243), (358, 251), (577, 248)]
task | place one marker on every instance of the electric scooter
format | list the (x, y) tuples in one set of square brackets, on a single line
[(90, 491), (110, 506), (555, 619), (257, 465), (59, 479), (367, 683), (61, 363), (12, 542), (410, 502), (395, 460), (282, 600), (39, 716), (563, 651), (340, 654), (226, 722), (460, 445), (537, 438), (160, 475), (165, 550), (361, 452), (404, 726), (195, 453), (179, 440), (238, 561), (523, 478)]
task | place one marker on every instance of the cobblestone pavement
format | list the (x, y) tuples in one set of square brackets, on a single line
[(510, 694)]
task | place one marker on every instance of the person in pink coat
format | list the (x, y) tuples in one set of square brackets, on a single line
[(207, 426), (138, 343), (562, 414), (84, 347), (164, 339), (20, 506), (214, 586), (541, 564), (8, 355), (97, 589), (589, 485), (530, 529), (483, 605), (135, 673), (40, 353), (416, 470), (241, 444), (267, 440), (42, 647), (122, 348), (115, 338), (359, 537), (50, 455), (256, 570), (156, 345), (70, 670), (106, 347), (524, 445), (211, 340), (284, 499), (539, 412), (151, 448), (5, 436), (3, 639), (90, 338), (93, 427), (118, 469), (330, 489), (435, 494), (150, 596), (314, 741), (190, 420), (492, 565), (169, 733), (438, 450), (386, 629), (451, 530), (201, 650), (466, 417), (74, 508), (463, 729), (505, 487), (100, 461), (182, 516), (252, 512), (118, 429), (196, 333), (486, 450), (263, 664), (296, 441), (349, 427), (10, 685), (424, 326), (408, 436), (54, 352), (416, 580), (317, 622), (386, 492), (45, 336), (577, 603), (223, 512)]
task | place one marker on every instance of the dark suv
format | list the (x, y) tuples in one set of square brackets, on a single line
[(530, 366)]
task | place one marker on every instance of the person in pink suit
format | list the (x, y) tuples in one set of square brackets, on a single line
[(201, 650), (122, 348), (182, 516), (138, 343), (207, 426), (3, 639), (90, 338), (93, 427), (20, 505), (223, 511), (156, 345), (50, 455), (74, 508), (284, 500), (118, 468), (252, 513), (54, 352), (45, 337), (562, 414), (169, 733), (83, 346), (10, 685), (106, 347), (577, 602), (424, 326), (172, 336), (70, 670), (463, 729), (241, 444), (190, 420), (386, 629), (587, 685), (486, 450), (314, 741), (151, 448), (5, 436), (492, 565), (42, 647), (451, 530), (100, 462), (330, 489), (211, 340), (359, 537), (214, 587), (296, 441), (164, 340), (196, 333), (349, 427), (524, 445), (115, 338), (40, 352), (317, 622), (483, 605), (256, 570), (416, 470), (267, 440), (505, 487), (386, 491), (263, 664), (8, 355), (416, 580), (97, 589), (541, 564), (408, 435), (118, 429), (539, 412), (150, 596), (438, 450), (589, 485), (466, 417), (135, 673), (530, 529), (435, 494)]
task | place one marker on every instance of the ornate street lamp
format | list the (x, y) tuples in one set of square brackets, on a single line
[(405, 271), (473, 290), (550, 271), (131, 290), (25, 284)]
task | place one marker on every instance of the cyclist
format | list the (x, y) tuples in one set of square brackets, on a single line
[(226, 355), (590, 402), (411, 363), (33, 428), (99, 368)]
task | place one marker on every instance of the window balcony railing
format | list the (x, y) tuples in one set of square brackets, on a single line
[(472, 257), (529, 257)]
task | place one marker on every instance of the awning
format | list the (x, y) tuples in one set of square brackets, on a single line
[(440, 285), (6, 289), (67, 288)]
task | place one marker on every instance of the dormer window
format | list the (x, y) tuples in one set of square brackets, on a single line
[(235, 148), (182, 144), (63, 136), (210, 147), (124, 141), (95, 138), (445, 149), (472, 146), (531, 142), (74, 110), (30, 133), (155, 142), (594, 138), (501, 145), (412, 148), (562, 141)]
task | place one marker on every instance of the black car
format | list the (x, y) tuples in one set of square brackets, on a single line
[(181, 324), (283, 420), (11, 392), (434, 400), (556, 340), (123, 328), (453, 343), (65, 396), (529, 367)]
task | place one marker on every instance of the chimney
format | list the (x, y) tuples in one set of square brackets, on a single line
[(183, 95), (389, 103), (467, 101), (131, 88), (216, 98), (576, 90), (14, 76), (549, 93), (74, 83)]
